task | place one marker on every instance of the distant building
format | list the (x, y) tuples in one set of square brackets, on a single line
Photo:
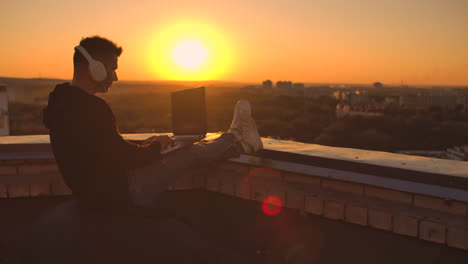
[(298, 86), (459, 153), (345, 109), (359, 98), (353, 96), (414, 101), (284, 87), (268, 84), (4, 126), (390, 100)]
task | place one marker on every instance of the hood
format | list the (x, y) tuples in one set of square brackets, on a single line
[(61, 100)]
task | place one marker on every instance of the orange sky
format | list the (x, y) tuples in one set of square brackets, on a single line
[(352, 41)]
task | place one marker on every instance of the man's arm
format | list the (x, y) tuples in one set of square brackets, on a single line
[(131, 154), (113, 147)]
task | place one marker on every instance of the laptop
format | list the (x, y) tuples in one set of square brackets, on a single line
[(188, 117)]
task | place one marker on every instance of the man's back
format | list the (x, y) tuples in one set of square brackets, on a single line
[(90, 153)]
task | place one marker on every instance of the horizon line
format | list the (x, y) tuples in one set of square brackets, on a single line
[(249, 82)]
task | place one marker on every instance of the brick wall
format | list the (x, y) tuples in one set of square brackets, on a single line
[(31, 178), (428, 218)]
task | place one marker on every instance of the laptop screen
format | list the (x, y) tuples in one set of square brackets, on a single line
[(189, 112)]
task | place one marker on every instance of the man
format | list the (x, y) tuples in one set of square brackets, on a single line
[(106, 172)]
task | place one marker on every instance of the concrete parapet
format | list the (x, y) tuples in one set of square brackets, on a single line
[(337, 193)]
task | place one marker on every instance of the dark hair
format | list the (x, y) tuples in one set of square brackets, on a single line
[(98, 47)]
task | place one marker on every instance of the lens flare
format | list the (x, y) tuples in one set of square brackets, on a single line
[(272, 205)]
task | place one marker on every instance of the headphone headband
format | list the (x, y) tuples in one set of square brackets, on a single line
[(85, 53), (96, 68)]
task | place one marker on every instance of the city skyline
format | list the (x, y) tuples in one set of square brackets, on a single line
[(362, 41)]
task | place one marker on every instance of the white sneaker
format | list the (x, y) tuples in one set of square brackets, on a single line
[(244, 129)]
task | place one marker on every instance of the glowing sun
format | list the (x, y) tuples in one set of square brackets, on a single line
[(189, 51), (189, 54)]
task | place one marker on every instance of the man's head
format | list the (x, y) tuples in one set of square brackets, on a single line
[(100, 49)]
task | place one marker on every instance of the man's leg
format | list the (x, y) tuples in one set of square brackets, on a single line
[(170, 239), (148, 182)]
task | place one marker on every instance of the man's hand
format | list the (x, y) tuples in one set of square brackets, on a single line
[(164, 141)]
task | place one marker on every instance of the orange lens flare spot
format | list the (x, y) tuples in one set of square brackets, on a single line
[(272, 205)]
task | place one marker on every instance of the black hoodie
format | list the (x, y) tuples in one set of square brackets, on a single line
[(92, 156)]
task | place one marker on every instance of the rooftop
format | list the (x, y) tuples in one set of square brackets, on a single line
[(404, 209)]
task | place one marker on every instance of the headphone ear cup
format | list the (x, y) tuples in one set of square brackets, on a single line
[(97, 70)]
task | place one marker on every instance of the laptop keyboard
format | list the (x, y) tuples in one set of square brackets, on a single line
[(175, 146)]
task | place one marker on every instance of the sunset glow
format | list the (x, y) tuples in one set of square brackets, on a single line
[(324, 41), (189, 51), (189, 54)]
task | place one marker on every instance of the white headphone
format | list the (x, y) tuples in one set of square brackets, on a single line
[(96, 68)]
